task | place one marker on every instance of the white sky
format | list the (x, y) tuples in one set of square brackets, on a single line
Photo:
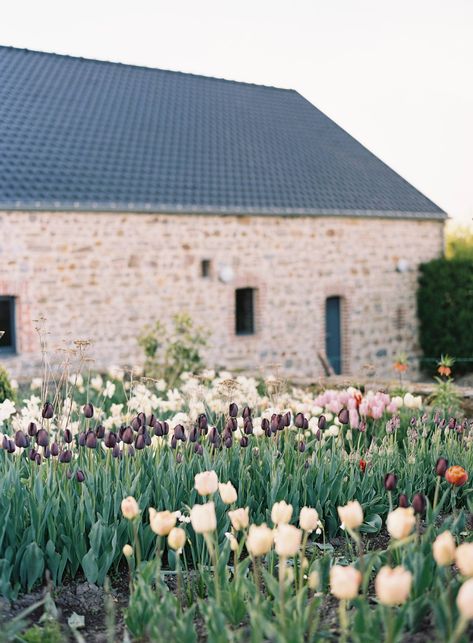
[(397, 74)]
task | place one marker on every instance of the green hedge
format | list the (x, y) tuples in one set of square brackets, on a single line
[(445, 310)]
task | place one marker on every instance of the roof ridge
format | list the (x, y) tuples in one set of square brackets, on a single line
[(145, 67)]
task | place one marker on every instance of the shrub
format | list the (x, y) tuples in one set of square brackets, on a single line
[(7, 391), (170, 355), (445, 310)]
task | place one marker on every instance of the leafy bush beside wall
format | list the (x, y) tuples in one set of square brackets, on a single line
[(445, 311)]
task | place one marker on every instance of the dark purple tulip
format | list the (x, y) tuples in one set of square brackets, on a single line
[(48, 411), (140, 442), (318, 435), (267, 428), (21, 440), (441, 467), (248, 427), (147, 438), (91, 440), (193, 434), (281, 422), (11, 446), (32, 454), (390, 482), (306, 424), (32, 429), (38, 459), (88, 410), (100, 431), (233, 410), (158, 429), (287, 419), (265, 424), (246, 412), (5, 443), (68, 474), (232, 424), (131, 452), (198, 450), (413, 421), (142, 418), (54, 449), (213, 435), (362, 427), (47, 453), (127, 436), (419, 503), (179, 432), (151, 420), (299, 420), (42, 438), (344, 416), (322, 421), (203, 423), (306, 464), (274, 423), (443, 423), (403, 500), (81, 439), (80, 477), (173, 442), (228, 441), (244, 441), (452, 423), (116, 452), (110, 439), (165, 428), (136, 423), (67, 436), (301, 446), (179, 458), (65, 457)]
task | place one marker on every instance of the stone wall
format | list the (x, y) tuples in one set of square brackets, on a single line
[(103, 276)]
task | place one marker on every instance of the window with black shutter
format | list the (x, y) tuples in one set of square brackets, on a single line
[(245, 311), (205, 265), (7, 325)]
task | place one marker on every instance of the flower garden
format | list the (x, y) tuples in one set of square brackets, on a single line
[(232, 509)]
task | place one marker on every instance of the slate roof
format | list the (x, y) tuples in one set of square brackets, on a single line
[(89, 135)]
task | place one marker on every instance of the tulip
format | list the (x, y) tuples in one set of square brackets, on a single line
[(233, 541), (177, 538), (158, 429), (281, 513), (116, 452), (321, 422), (464, 558), (161, 522), (48, 411), (179, 432), (136, 423), (227, 493), (203, 518), (344, 416), (42, 438), (32, 455), (67, 436), (403, 501), (233, 410), (419, 503), (127, 551), (206, 483), (32, 429), (287, 540), (140, 442), (81, 439), (88, 410), (65, 457), (130, 509), (456, 476), (308, 519), (244, 441), (345, 582), (299, 420), (54, 449), (110, 440), (441, 467), (80, 476), (91, 440), (100, 431), (444, 549), (151, 421), (193, 434), (239, 518), (203, 423), (246, 412), (390, 481), (228, 442), (198, 449), (21, 440), (127, 436), (400, 522), (165, 428), (351, 515), (314, 580), (259, 540), (38, 462), (465, 600), (393, 586)]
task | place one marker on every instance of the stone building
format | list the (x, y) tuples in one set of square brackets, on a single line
[(128, 194)]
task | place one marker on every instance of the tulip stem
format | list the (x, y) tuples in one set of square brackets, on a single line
[(137, 542), (462, 623), (436, 495), (389, 625), (282, 578), (213, 555), (343, 617)]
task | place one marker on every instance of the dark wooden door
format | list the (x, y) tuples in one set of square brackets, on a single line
[(333, 333)]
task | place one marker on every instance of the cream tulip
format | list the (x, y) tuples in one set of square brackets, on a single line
[(161, 522), (393, 585), (287, 540), (281, 513), (130, 509), (465, 599), (177, 538), (239, 518), (127, 551), (464, 559), (227, 492), (308, 519), (260, 539), (351, 515), (203, 518), (345, 582), (400, 522), (206, 483), (444, 548)]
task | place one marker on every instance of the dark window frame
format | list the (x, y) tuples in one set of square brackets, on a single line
[(245, 323), (206, 268), (11, 349)]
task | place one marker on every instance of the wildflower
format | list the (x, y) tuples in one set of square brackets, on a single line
[(465, 599), (444, 549), (239, 518), (203, 518), (400, 522), (464, 558), (260, 539), (351, 515), (308, 519), (161, 522), (177, 538), (393, 585), (281, 512), (456, 476), (345, 582), (287, 540), (227, 492), (130, 509), (206, 483)]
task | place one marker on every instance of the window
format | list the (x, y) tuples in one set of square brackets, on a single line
[(205, 265), (7, 325), (245, 311)]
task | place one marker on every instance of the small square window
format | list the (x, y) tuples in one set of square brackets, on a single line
[(244, 311), (205, 266), (7, 325)]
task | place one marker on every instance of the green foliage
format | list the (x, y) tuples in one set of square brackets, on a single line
[(459, 243), (169, 355), (445, 310), (50, 632), (7, 392)]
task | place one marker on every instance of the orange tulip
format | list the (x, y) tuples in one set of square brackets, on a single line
[(456, 475)]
